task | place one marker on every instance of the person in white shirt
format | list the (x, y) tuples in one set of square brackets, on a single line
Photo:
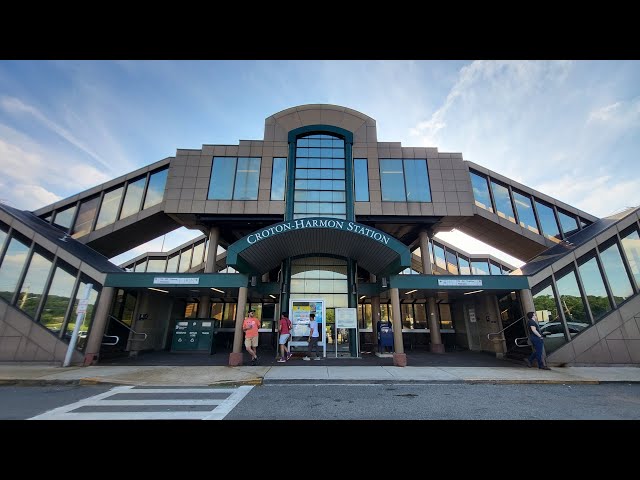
[(314, 336)]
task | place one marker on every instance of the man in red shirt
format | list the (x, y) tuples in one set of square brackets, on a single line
[(250, 327), (285, 332)]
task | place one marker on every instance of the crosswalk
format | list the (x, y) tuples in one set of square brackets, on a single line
[(152, 403)]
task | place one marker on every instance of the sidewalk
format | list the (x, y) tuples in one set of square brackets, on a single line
[(33, 374)]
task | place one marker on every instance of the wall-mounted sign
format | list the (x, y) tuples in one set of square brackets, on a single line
[(175, 281), (447, 282)]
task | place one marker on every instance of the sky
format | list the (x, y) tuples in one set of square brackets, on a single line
[(569, 129)]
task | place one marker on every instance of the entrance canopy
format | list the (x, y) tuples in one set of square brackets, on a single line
[(374, 250)]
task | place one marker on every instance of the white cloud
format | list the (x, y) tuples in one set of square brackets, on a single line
[(620, 113), (32, 197)]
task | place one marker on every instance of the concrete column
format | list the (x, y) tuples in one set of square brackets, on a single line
[(235, 357), (204, 307), (399, 357), (212, 250), (375, 313), (526, 300), (100, 321), (424, 253), (501, 345), (436, 345)]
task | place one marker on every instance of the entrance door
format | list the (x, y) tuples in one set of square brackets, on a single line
[(299, 315)]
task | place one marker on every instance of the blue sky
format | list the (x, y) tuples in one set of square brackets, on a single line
[(569, 129)]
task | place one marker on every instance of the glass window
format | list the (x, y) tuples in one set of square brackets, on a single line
[(198, 254), (185, 260), (446, 320), (568, 222), (572, 302), (548, 221), (361, 179), (494, 268), (155, 190), (12, 264), (594, 287), (140, 266), (480, 267), (109, 207), (406, 314), (465, 267), (439, 256), (417, 180), (420, 310), (525, 211), (481, 190), (64, 218), (223, 172), (34, 282), (452, 261), (247, 179), (616, 273), (172, 263), (133, 197), (545, 304), (392, 181), (86, 214), (278, 178), (503, 201), (58, 297), (87, 318), (156, 264), (631, 247)]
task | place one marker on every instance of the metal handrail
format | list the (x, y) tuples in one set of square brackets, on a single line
[(111, 336), (130, 329), (527, 344), (508, 326)]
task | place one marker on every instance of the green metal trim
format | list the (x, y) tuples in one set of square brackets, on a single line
[(145, 280), (489, 282)]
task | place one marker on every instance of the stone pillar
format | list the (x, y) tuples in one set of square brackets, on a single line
[(100, 322), (204, 307), (235, 357), (436, 345), (399, 357), (500, 342), (212, 250), (375, 313), (424, 253)]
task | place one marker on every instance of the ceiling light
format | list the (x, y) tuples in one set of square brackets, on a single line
[(158, 290), (410, 291), (475, 291), (217, 290), (272, 296), (362, 297)]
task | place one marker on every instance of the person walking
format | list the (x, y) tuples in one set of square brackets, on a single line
[(535, 335), (313, 338), (250, 327), (285, 333)]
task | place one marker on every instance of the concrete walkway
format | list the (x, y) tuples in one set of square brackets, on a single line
[(38, 374)]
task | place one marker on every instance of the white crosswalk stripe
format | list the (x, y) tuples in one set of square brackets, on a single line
[(152, 403)]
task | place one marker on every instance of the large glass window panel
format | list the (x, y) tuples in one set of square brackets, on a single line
[(172, 263), (568, 222), (185, 260), (452, 261), (278, 178), (631, 247), (247, 179), (87, 318), (12, 264), (392, 180), (503, 201), (198, 254), (420, 310), (544, 301), (525, 211), (109, 207), (86, 214), (446, 320), (156, 264), (58, 297), (64, 218), (548, 221), (133, 197), (616, 273), (481, 190), (494, 268), (479, 267), (465, 267), (572, 303), (361, 179), (406, 313), (223, 173), (417, 180), (594, 288), (155, 190), (439, 256), (34, 282)]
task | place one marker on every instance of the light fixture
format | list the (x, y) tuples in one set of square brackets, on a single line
[(217, 290), (410, 291), (272, 296), (362, 297), (475, 291), (158, 290)]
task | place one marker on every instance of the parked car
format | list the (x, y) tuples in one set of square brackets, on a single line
[(553, 333)]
